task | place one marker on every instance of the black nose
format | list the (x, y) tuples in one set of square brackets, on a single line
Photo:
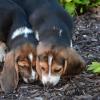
[(31, 80), (49, 85), (6, 49)]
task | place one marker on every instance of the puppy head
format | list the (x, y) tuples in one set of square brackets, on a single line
[(26, 61), (55, 61), (20, 61)]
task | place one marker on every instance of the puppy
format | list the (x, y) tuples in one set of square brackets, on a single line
[(21, 57), (53, 26)]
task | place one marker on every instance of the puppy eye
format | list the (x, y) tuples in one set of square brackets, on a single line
[(42, 68), (23, 64), (33, 67), (60, 61), (57, 70), (43, 58)]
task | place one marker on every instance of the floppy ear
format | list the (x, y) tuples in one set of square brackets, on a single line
[(9, 76), (65, 66), (75, 63)]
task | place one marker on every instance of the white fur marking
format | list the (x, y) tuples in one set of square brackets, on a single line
[(25, 80), (33, 75), (37, 35), (32, 71), (2, 54), (30, 57), (53, 79), (60, 32), (50, 58), (21, 31), (71, 44)]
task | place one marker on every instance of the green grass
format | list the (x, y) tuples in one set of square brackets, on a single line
[(76, 7)]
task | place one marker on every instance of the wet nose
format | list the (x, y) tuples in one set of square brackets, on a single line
[(49, 84), (6, 49), (30, 80)]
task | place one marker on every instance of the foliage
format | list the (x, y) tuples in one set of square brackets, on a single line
[(94, 67), (75, 7)]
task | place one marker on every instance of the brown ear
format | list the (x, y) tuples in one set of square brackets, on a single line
[(75, 63), (9, 76), (65, 67)]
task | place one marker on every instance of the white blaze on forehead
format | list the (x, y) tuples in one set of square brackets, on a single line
[(50, 58), (21, 31), (30, 56), (33, 73), (52, 79)]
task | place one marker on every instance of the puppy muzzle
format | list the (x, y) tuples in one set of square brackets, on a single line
[(51, 80)]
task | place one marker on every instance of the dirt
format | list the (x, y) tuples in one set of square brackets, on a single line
[(86, 86)]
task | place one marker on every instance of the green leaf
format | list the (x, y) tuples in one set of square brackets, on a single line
[(61, 1), (68, 0), (94, 67), (70, 8), (97, 70), (95, 4), (83, 2), (81, 10)]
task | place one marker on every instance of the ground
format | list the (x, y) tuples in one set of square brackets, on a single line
[(86, 86)]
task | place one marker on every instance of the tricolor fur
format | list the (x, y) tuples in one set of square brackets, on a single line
[(54, 27), (17, 33)]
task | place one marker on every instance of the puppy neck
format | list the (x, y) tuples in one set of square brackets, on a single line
[(21, 31), (21, 36)]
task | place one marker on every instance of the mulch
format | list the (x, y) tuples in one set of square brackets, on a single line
[(86, 86)]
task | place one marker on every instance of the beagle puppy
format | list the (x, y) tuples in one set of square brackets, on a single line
[(53, 27), (16, 32)]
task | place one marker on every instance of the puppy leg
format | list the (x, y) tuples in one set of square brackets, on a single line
[(9, 76)]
